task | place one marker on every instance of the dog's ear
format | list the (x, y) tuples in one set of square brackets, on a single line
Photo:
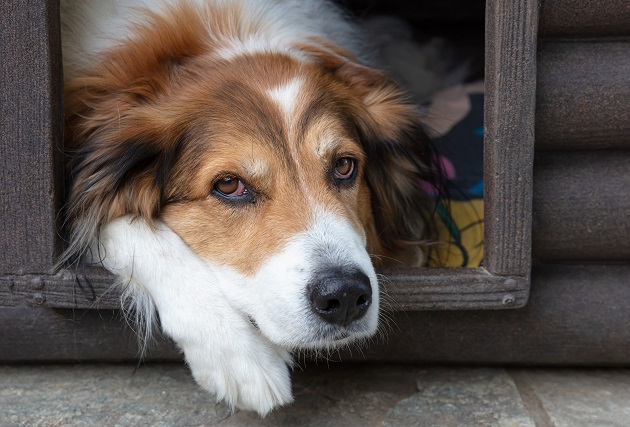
[(111, 177), (120, 151), (399, 158)]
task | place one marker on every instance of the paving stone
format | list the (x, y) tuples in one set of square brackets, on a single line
[(165, 395), (462, 397), (339, 395), (103, 395), (582, 398), (331, 394)]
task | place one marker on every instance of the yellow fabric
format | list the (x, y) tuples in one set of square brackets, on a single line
[(462, 244)]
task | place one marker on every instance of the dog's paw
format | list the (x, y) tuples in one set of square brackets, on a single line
[(252, 377), (228, 356)]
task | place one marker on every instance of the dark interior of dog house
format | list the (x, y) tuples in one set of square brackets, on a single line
[(438, 56)]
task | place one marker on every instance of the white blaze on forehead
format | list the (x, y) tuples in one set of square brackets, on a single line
[(286, 97)]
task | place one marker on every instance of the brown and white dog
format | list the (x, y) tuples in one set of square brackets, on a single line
[(242, 171)]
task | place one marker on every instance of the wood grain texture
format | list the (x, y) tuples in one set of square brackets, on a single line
[(404, 289), (452, 289), (584, 18), (511, 38), (581, 206), (30, 135), (85, 288), (48, 335), (583, 99), (576, 316)]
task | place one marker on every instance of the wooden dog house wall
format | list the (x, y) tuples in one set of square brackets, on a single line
[(565, 84)]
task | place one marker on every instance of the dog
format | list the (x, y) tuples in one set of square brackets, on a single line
[(243, 169)]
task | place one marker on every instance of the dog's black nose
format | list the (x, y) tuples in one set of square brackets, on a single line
[(340, 298)]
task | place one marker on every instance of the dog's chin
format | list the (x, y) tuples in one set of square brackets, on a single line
[(334, 341), (324, 336)]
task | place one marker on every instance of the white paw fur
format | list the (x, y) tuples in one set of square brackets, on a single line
[(227, 355)]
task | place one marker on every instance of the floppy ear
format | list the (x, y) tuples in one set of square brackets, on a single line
[(114, 175), (121, 152), (122, 148), (399, 158)]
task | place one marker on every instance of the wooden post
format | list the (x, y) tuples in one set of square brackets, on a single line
[(31, 122)]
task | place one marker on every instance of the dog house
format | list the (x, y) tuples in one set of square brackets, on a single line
[(555, 285)]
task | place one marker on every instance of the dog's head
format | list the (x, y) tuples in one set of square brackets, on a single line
[(292, 173)]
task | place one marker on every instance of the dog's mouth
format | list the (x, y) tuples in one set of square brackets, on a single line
[(332, 339), (326, 336), (332, 333), (253, 323), (323, 336)]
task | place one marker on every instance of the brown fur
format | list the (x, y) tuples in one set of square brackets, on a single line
[(153, 125)]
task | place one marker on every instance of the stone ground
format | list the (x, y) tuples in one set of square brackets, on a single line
[(331, 394)]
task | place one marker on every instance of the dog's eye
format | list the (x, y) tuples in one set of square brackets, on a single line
[(230, 186), (345, 168)]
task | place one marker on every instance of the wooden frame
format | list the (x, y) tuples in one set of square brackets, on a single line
[(32, 181), (31, 114), (577, 310)]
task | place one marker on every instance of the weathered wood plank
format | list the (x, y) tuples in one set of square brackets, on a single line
[(452, 289), (583, 99), (511, 38), (85, 288), (584, 18), (405, 289), (44, 334), (576, 316), (581, 206), (31, 117)]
